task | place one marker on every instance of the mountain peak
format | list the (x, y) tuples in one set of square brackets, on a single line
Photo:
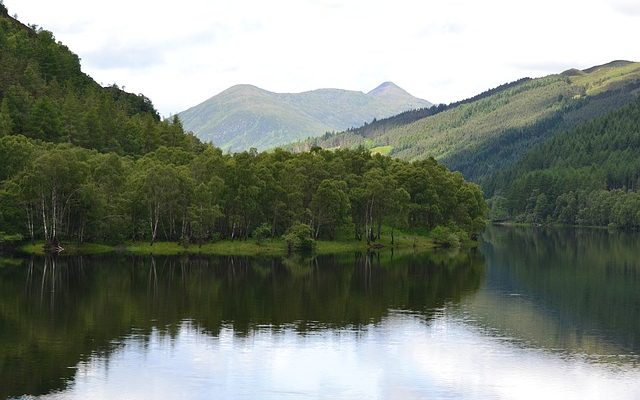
[(390, 92), (385, 87), (244, 88)]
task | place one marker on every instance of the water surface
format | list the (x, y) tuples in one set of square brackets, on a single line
[(531, 313)]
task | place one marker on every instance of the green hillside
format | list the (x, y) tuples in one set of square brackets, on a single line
[(245, 116), (44, 95), (84, 163), (491, 132), (589, 175)]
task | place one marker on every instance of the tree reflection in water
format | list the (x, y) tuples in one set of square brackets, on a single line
[(57, 313)]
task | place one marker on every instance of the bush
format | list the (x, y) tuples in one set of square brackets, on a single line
[(298, 238), (445, 236), (261, 233)]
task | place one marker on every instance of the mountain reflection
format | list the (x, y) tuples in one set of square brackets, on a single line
[(56, 313), (581, 285)]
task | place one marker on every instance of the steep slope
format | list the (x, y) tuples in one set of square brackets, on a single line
[(44, 95), (482, 136), (245, 116), (587, 175)]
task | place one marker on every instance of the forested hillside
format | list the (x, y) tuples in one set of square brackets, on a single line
[(45, 96), (486, 134), (85, 163), (589, 175)]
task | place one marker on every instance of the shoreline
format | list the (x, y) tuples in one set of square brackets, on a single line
[(274, 247)]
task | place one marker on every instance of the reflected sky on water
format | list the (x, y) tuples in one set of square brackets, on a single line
[(530, 314)]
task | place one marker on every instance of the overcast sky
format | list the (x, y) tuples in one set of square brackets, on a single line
[(180, 53)]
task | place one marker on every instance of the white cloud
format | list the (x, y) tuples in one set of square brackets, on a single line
[(627, 7), (179, 54)]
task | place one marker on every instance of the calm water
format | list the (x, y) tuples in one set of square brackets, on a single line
[(531, 314)]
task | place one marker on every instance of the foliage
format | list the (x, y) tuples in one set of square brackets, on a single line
[(261, 233), (44, 95), (445, 236), (70, 193), (299, 238)]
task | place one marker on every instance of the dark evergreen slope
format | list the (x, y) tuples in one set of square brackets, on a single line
[(589, 175), (44, 95), (490, 132), (86, 163)]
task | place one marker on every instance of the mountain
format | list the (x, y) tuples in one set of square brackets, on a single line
[(492, 131), (394, 95), (246, 116), (589, 175)]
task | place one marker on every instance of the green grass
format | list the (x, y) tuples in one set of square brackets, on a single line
[(69, 248), (383, 150), (227, 247), (607, 77), (275, 247)]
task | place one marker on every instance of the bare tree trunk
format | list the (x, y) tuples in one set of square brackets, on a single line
[(44, 219), (273, 224), (30, 226), (54, 215), (154, 218)]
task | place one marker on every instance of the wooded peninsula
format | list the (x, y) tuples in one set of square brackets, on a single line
[(84, 163)]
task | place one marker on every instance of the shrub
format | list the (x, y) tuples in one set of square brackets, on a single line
[(445, 236), (298, 238), (261, 233)]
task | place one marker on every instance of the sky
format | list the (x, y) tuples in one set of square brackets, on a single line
[(181, 53)]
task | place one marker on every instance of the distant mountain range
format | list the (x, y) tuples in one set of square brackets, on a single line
[(246, 116)]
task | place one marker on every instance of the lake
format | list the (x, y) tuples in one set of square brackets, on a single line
[(531, 313)]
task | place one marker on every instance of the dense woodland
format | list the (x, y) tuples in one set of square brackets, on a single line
[(62, 191), (589, 175), (86, 163)]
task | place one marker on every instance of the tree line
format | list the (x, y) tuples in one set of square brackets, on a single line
[(60, 191)]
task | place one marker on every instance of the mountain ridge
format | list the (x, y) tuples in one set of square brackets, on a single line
[(244, 115)]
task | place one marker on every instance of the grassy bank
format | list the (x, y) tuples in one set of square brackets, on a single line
[(275, 247), (69, 248)]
